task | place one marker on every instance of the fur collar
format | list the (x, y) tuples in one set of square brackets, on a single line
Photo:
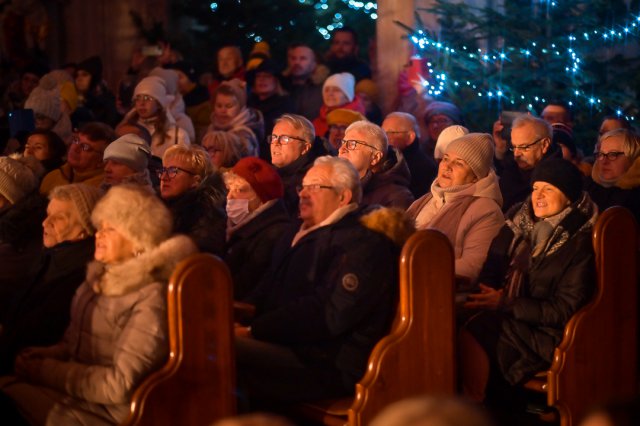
[(137, 272)]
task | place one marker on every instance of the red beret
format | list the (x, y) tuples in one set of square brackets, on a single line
[(262, 177)]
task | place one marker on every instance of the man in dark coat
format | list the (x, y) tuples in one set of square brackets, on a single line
[(327, 299), (303, 80), (383, 172), (293, 149), (404, 134), (343, 54)]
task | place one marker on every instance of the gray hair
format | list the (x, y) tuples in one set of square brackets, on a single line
[(374, 134), (408, 118), (343, 175), (299, 123), (630, 144), (541, 128)]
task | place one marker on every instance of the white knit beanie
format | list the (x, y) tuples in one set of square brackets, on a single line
[(343, 81), (19, 176), (169, 77), (130, 150), (477, 150), (45, 99), (447, 136), (153, 86)]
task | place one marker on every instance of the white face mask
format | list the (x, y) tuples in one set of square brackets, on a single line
[(237, 210)]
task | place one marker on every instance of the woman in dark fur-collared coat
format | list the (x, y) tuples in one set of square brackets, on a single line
[(539, 272)]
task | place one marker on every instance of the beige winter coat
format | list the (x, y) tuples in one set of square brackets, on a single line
[(117, 336), (471, 230)]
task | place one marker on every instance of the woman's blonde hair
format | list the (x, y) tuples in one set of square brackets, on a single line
[(195, 156), (230, 144)]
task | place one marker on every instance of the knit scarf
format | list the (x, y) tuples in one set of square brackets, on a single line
[(239, 124)]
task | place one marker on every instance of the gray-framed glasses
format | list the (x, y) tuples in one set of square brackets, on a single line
[(85, 147), (351, 144), (172, 171), (312, 188), (611, 155), (282, 139), (527, 147)]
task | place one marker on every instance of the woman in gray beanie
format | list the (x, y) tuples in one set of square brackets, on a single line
[(464, 203), (118, 329), (539, 272)]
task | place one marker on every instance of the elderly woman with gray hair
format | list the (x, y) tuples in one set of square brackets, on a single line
[(118, 329)]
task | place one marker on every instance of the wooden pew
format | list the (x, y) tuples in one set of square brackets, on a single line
[(196, 385), (596, 360), (418, 355)]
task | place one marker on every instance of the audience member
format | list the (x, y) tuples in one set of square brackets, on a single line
[(438, 116), (464, 203), (21, 213), (615, 178), (343, 54), (229, 66), (303, 80), (557, 112), (322, 307), (338, 120), (196, 98), (447, 136), (337, 92), (118, 329), (151, 110), (175, 102), (126, 160), (613, 122), (367, 90), (19, 90), (84, 158), (539, 272), (382, 170), (195, 194), (267, 96), (95, 100), (404, 134), (224, 148), (47, 147), (39, 311), (531, 141), (294, 148), (231, 114), (563, 139), (256, 219), (45, 102)]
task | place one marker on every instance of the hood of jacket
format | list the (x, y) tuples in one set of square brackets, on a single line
[(394, 170), (133, 274), (629, 180), (392, 222)]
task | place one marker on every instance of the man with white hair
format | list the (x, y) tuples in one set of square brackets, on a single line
[(326, 300), (382, 169), (403, 132)]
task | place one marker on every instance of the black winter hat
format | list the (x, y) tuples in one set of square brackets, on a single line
[(93, 66), (187, 68), (268, 65), (562, 174)]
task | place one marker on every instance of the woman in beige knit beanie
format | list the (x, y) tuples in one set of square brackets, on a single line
[(464, 203)]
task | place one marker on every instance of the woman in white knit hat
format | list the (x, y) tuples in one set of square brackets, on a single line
[(151, 110), (118, 329), (464, 203), (338, 91)]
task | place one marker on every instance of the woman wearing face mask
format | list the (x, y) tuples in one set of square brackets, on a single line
[(194, 192), (256, 218)]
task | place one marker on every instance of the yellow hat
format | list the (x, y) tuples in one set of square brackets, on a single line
[(368, 87), (344, 117), (69, 95)]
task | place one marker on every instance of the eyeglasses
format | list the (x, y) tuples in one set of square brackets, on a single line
[(351, 144), (527, 147), (282, 139), (315, 188), (611, 155), (85, 147), (142, 98), (172, 172)]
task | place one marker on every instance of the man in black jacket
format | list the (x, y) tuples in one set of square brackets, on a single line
[(326, 300)]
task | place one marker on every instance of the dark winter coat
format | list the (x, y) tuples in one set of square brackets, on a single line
[(307, 98), (250, 247), (353, 65), (199, 213), (331, 296), (423, 169), (559, 282), (20, 244), (39, 314), (389, 187)]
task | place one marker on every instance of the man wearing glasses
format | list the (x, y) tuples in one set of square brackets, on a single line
[(326, 300), (531, 139), (84, 158), (293, 150), (383, 172)]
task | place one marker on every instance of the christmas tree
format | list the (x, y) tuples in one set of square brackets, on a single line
[(528, 53)]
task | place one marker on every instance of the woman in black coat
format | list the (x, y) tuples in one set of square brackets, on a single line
[(539, 272), (256, 219)]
